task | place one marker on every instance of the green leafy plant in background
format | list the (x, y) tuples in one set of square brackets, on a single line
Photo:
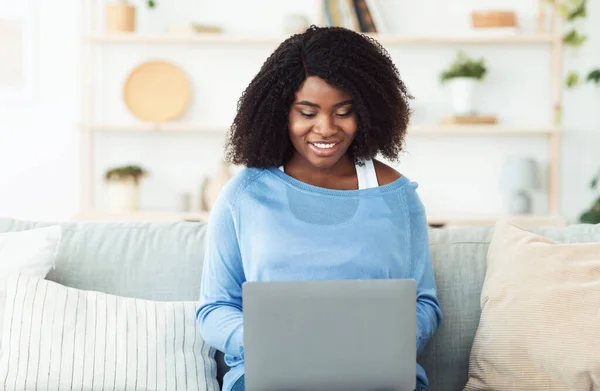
[(572, 79), (592, 214), (151, 4), (594, 76), (124, 173), (571, 11), (464, 66)]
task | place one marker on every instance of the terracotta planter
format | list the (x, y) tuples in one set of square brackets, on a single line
[(120, 17)]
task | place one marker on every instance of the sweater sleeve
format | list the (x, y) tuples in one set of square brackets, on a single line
[(429, 314), (220, 312)]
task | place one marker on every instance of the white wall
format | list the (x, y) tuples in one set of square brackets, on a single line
[(38, 140), (39, 144)]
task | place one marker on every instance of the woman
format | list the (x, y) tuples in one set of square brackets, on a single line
[(311, 202)]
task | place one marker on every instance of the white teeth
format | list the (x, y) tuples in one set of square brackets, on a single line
[(324, 146)]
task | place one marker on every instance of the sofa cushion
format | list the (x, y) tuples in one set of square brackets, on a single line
[(154, 261), (459, 259), (63, 338), (540, 303), (32, 252)]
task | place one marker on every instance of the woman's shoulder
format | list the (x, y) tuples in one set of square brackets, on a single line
[(385, 174), (242, 179)]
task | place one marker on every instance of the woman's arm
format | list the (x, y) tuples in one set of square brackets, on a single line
[(220, 312), (429, 314)]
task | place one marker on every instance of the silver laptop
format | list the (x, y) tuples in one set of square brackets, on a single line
[(343, 335)]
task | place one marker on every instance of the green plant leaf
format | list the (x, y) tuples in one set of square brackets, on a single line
[(151, 4), (594, 76), (125, 172), (463, 66), (573, 38), (573, 10), (592, 214), (563, 10), (572, 79), (578, 10)]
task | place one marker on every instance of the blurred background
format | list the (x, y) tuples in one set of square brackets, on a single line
[(117, 110)]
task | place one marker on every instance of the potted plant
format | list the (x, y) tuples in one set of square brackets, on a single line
[(592, 214), (462, 76), (124, 187)]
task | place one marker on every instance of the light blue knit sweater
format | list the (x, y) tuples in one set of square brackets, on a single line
[(268, 226)]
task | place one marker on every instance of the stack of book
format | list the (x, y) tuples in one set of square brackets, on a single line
[(358, 15)]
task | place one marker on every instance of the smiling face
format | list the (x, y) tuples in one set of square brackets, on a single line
[(322, 124)]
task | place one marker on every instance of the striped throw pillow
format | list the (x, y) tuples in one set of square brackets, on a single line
[(60, 338)]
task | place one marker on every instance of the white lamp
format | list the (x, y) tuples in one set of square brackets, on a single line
[(520, 176)]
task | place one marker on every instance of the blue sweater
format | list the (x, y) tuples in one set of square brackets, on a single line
[(268, 226)]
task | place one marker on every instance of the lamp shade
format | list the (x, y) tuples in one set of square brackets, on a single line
[(520, 173)]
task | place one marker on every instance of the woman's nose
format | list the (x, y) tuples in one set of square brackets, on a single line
[(325, 126)]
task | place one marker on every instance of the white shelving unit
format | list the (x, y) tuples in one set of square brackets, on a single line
[(91, 39)]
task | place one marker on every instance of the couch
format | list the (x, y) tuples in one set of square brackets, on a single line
[(163, 261)]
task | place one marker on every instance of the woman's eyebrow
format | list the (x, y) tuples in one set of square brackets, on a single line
[(339, 104)]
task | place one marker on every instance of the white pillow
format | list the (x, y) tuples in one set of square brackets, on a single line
[(62, 338), (32, 252)]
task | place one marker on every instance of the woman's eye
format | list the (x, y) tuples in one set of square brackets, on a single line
[(307, 115), (344, 114)]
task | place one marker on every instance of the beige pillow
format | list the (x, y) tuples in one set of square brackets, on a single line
[(540, 320)]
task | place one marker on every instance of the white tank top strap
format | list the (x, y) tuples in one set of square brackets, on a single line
[(367, 177)]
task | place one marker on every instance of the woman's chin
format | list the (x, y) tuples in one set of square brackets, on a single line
[(323, 162)]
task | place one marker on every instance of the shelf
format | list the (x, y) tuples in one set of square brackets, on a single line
[(479, 130), (184, 38), (473, 39), (490, 220), (157, 128), (416, 130), (141, 216), (391, 39)]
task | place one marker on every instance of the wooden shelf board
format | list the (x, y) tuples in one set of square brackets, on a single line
[(225, 38), (184, 38), (138, 216), (465, 39), (479, 130), (157, 128)]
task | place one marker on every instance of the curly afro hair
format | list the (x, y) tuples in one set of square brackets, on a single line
[(346, 60)]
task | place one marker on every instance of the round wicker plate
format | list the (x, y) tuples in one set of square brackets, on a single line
[(157, 91)]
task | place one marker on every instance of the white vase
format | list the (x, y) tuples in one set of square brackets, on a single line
[(151, 21), (213, 185), (462, 90), (123, 196)]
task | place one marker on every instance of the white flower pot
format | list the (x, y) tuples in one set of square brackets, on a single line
[(462, 91), (123, 196), (151, 20)]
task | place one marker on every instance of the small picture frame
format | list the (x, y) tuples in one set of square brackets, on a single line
[(18, 51)]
